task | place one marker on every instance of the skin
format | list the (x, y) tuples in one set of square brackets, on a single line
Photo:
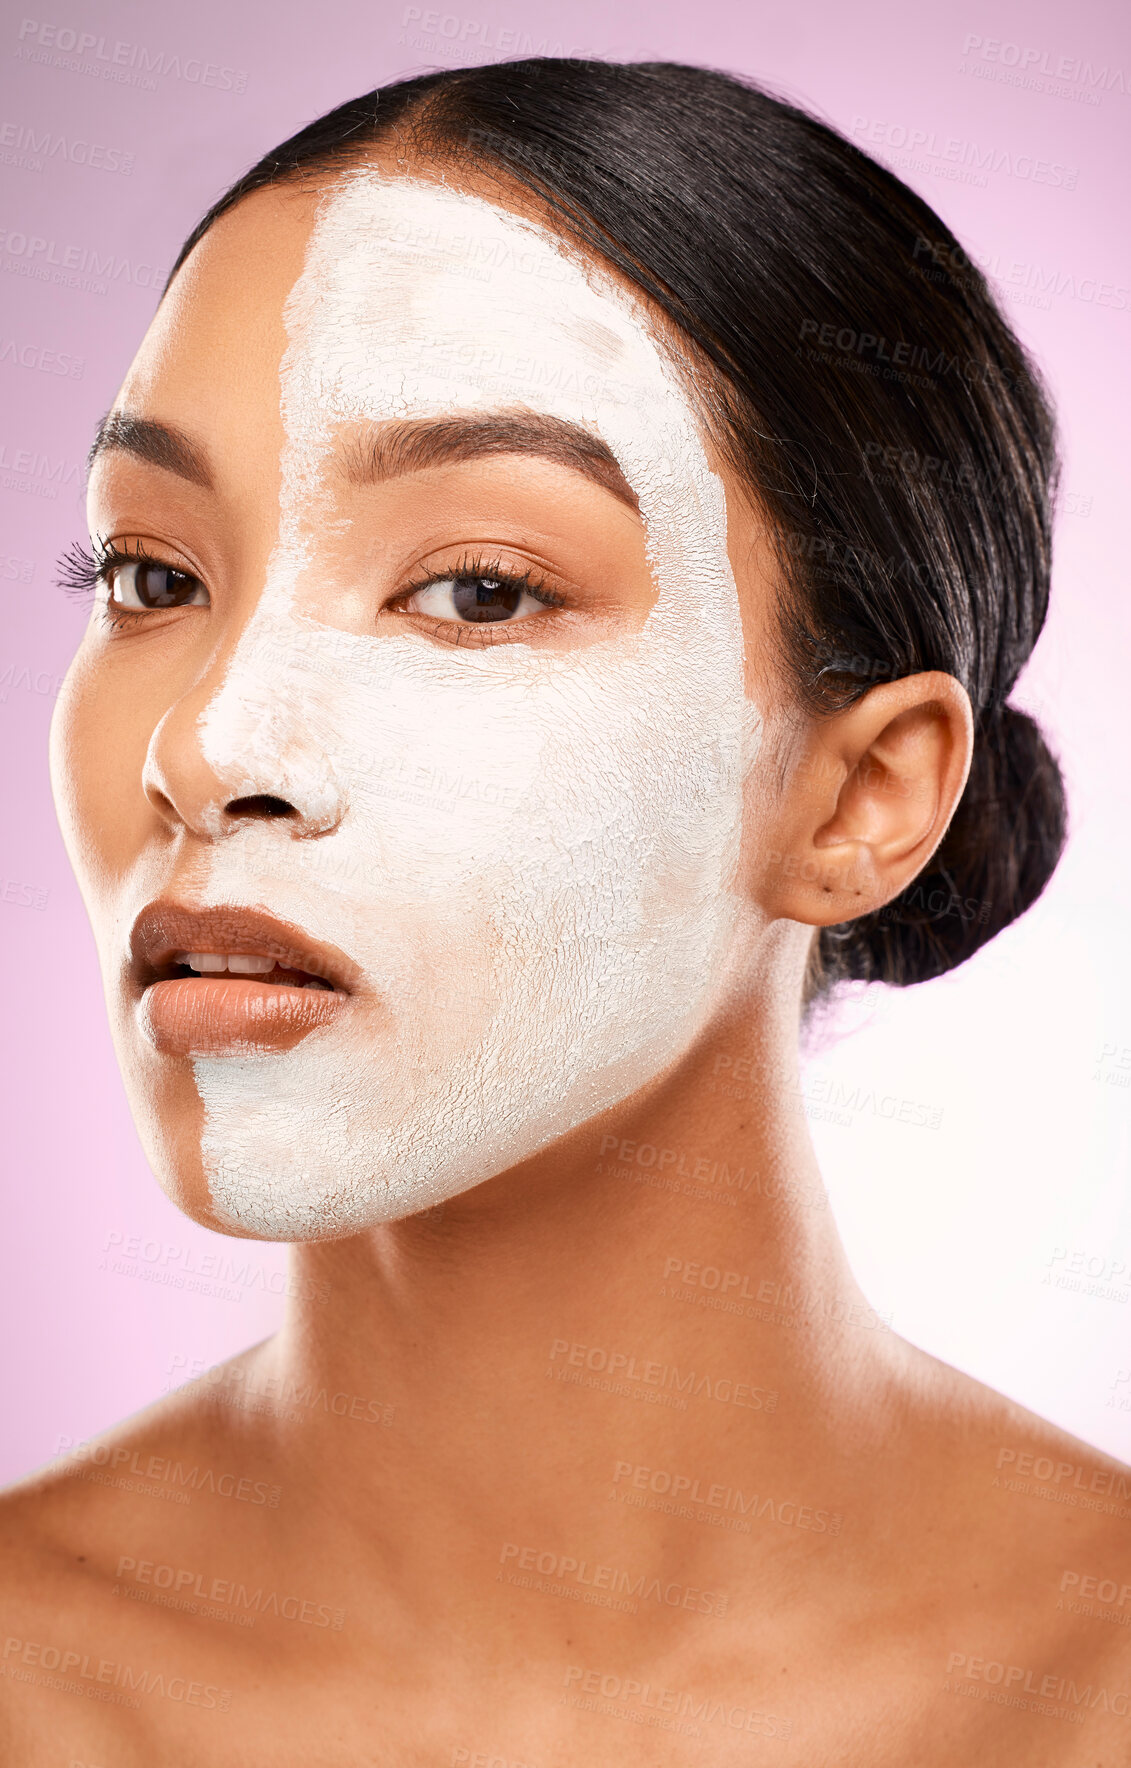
[(461, 1442)]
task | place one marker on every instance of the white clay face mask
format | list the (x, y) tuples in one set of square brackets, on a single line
[(532, 853)]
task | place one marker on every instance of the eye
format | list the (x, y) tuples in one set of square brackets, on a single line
[(476, 599), (145, 584)]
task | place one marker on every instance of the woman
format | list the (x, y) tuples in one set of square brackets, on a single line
[(561, 555)]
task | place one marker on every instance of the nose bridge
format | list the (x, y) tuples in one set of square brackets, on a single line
[(251, 731)]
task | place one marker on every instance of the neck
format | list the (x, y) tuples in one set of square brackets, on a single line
[(655, 1313)]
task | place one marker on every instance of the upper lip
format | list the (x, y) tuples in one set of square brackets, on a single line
[(163, 929)]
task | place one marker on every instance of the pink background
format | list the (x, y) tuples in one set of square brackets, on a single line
[(999, 1239)]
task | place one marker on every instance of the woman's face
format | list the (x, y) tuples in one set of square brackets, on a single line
[(425, 737)]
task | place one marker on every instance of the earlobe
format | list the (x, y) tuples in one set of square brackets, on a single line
[(868, 800)]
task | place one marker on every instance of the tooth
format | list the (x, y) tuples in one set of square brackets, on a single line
[(239, 964)]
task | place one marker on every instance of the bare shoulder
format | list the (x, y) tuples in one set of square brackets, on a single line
[(90, 1650), (1023, 1478), (1030, 1568), (150, 1473)]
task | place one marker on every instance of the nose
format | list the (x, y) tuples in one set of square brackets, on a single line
[(247, 749)]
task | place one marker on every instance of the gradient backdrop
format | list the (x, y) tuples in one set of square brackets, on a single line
[(992, 1225)]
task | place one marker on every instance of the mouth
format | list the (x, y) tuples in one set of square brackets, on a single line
[(231, 981), (265, 970)]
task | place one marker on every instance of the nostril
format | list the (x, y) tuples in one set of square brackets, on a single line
[(262, 804)]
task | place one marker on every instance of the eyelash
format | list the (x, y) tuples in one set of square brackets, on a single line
[(477, 565), (82, 569)]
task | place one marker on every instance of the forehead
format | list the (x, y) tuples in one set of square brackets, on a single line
[(418, 300), (368, 265), (394, 297), (210, 359)]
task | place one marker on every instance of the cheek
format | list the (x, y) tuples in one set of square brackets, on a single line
[(87, 773), (473, 799), (100, 734)]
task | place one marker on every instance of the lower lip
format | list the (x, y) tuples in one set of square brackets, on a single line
[(232, 1015)]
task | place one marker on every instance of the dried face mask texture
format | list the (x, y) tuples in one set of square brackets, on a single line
[(530, 853)]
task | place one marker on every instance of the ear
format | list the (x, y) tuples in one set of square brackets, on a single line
[(867, 800)]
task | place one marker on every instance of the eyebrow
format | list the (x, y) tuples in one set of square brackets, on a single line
[(390, 450), (162, 445), (387, 451)]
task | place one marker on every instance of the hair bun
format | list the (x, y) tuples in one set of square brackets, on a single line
[(1000, 851)]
